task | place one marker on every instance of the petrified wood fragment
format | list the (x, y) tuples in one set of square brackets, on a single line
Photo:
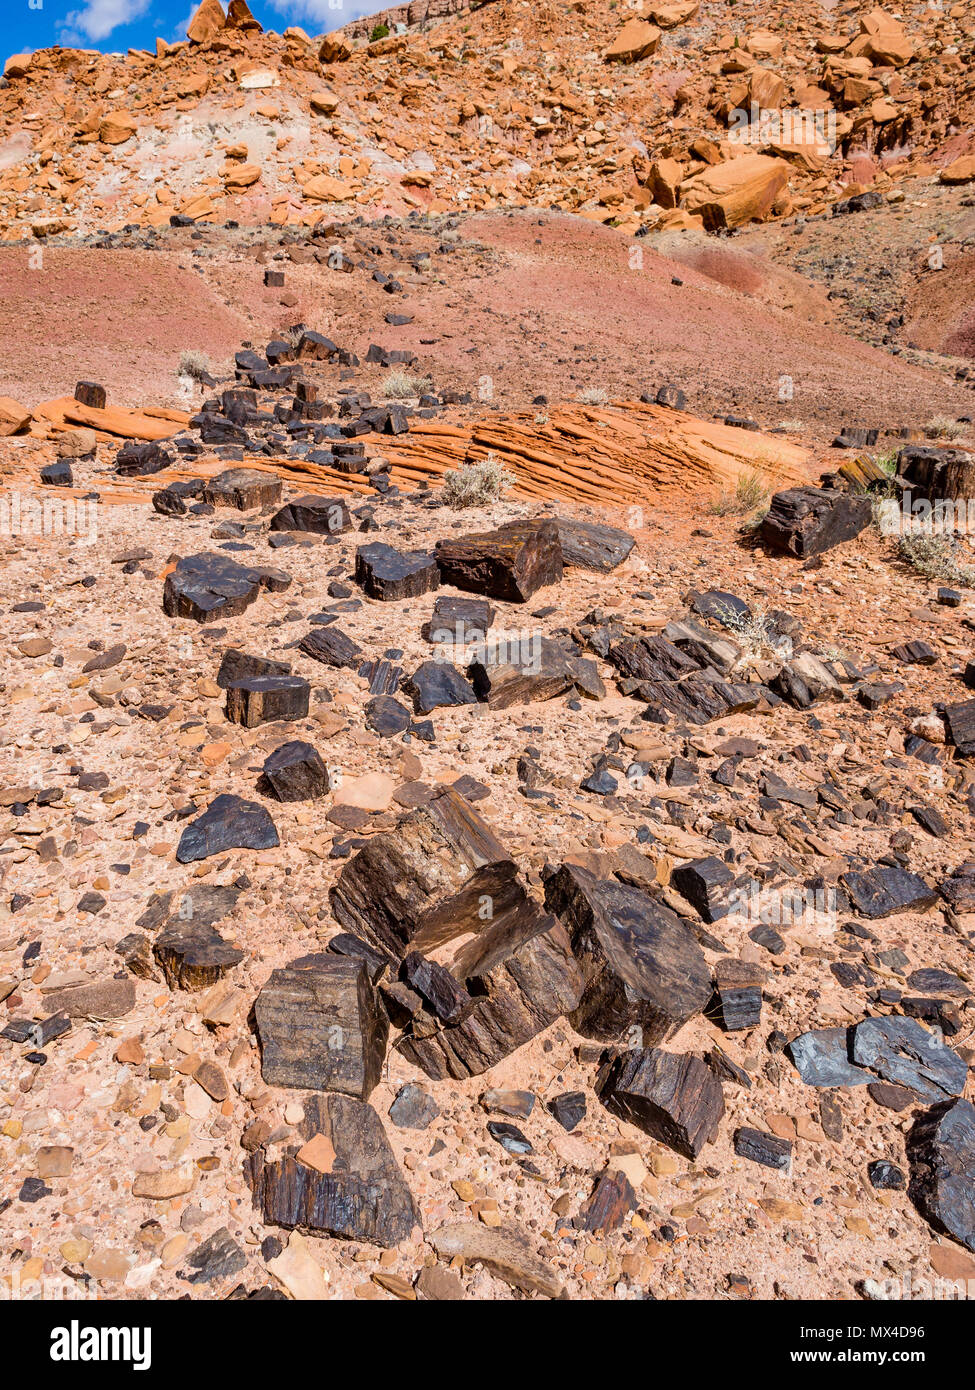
[(389, 574), (229, 822), (193, 955), (884, 890), (805, 521), (433, 878), (242, 488), (640, 962), (737, 999), (261, 699), (295, 772), (708, 884), (323, 516), (941, 1151), (591, 546), (322, 1027), (364, 1196), (236, 665), (522, 976), (510, 563), (207, 586), (903, 1051), (674, 1098), (331, 646)]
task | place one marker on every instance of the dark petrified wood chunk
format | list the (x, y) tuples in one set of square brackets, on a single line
[(524, 670), (884, 890), (260, 699), (569, 1109), (295, 772), (458, 621), (651, 659), (433, 878), (325, 516), (738, 994), (193, 955), (958, 889), (510, 563), (522, 976), (767, 1149), (609, 1204), (208, 586), (805, 521), (509, 1137), (436, 684), (805, 680), (229, 822), (941, 1152), (242, 488), (364, 1196), (707, 884), (443, 995), (930, 980), (672, 1097), (903, 1051), (388, 574), (822, 1059), (641, 963), (413, 1108), (591, 546), (137, 458), (387, 717), (57, 474), (90, 393), (960, 722), (237, 666), (331, 646), (322, 1027)]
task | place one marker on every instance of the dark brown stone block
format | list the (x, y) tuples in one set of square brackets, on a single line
[(510, 563), (261, 699), (675, 1099)]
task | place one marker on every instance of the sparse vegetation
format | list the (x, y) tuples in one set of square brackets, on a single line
[(943, 427), (194, 364), (400, 385), (592, 395), (476, 483), (749, 495), (936, 557), (381, 31), (756, 634)]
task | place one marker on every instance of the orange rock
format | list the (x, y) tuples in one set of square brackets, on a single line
[(959, 171), (738, 191), (637, 39), (207, 22), (116, 128)]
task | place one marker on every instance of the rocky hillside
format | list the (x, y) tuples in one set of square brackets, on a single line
[(629, 119)]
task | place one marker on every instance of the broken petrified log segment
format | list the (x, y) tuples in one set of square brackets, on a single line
[(229, 822), (389, 574), (522, 976), (520, 672), (506, 1253), (243, 488), (296, 772), (708, 885), (238, 666), (737, 1001), (193, 955), (363, 1196), (640, 962), (821, 1058), (324, 516), (805, 521), (674, 1098), (767, 1149), (261, 699), (903, 1051), (458, 621), (322, 1027), (431, 879), (590, 546), (440, 991), (332, 647), (960, 726), (436, 685), (941, 1152), (510, 563), (90, 393), (208, 586), (885, 890)]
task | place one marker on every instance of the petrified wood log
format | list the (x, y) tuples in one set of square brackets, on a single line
[(207, 586), (510, 563), (708, 885), (737, 1001), (242, 488), (805, 521), (362, 1196), (261, 699), (458, 621), (436, 876), (592, 546), (295, 772), (193, 955), (941, 1151), (389, 574), (518, 674), (960, 722), (673, 1098), (885, 890), (324, 516), (331, 646), (640, 962), (236, 665), (937, 473), (521, 975), (322, 1027)]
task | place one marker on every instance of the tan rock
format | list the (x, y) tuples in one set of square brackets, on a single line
[(637, 39), (161, 1187), (739, 191), (298, 1274), (959, 171), (207, 22)]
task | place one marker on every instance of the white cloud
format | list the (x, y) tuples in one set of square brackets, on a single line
[(326, 14), (99, 17)]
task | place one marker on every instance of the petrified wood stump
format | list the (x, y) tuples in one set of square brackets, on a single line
[(673, 1098), (510, 563)]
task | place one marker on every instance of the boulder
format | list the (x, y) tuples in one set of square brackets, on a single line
[(510, 563), (636, 39), (805, 521), (736, 191)]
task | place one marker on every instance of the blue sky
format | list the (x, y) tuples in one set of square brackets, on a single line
[(115, 25)]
